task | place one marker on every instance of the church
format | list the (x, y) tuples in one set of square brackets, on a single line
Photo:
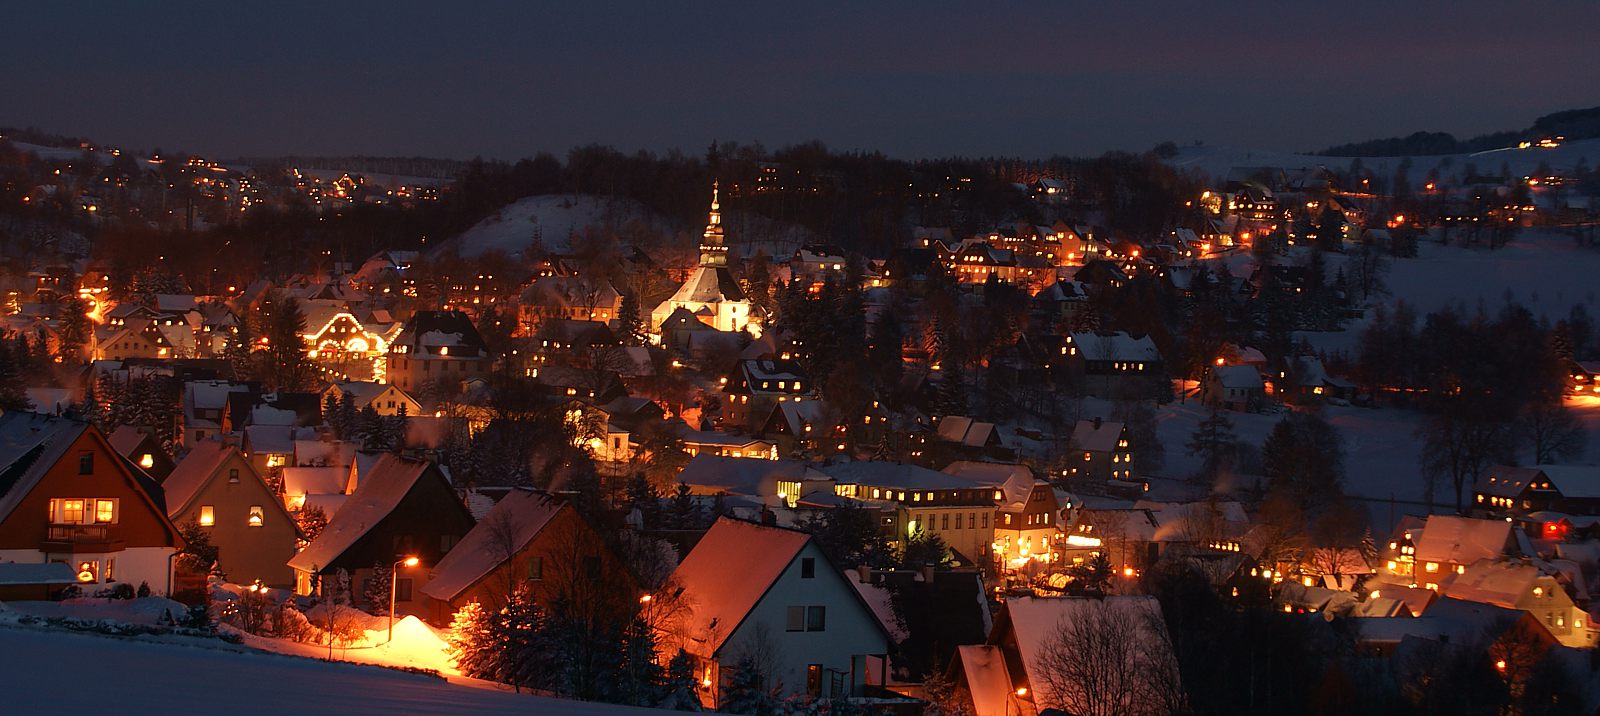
[(711, 294)]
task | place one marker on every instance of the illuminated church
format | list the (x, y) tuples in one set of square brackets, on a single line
[(711, 294)]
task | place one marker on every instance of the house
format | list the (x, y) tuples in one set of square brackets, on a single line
[(1105, 451), (711, 294), (533, 540), (441, 347), (748, 595), (1233, 387), (962, 436), (958, 507), (67, 496), (1505, 491), (1115, 364), (402, 508), (140, 447), (1530, 588), (1013, 672), (385, 398), (1448, 544), (756, 385), (216, 488), (1309, 381)]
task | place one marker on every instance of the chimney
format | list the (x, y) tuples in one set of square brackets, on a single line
[(927, 574), (864, 574), (1097, 423)]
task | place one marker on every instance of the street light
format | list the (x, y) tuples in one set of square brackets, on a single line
[(393, 576)]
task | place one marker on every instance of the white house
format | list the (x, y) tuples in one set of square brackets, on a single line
[(748, 594)]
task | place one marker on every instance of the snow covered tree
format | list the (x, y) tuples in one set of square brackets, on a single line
[(376, 590), (73, 331), (474, 646), (749, 690), (13, 383), (311, 521), (679, 688), (630, 320), (639, 677)]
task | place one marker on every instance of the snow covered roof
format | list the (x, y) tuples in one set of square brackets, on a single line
[(193, 472), (1118, 346), (1492, 582), (1573, 481), (30, 444), (315, 480), (1240, 377), (508, 528), (1016, 480), (965, 431), (391, 479), (744, 476), (270, 439), (708, 284), (1035, 620), (1506, 480), (14, 574), (987, 678), (880, 473), (726, 575), (1448, 539), (125, 439), (1096, 435)]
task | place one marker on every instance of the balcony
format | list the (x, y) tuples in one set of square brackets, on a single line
[(80, 538)]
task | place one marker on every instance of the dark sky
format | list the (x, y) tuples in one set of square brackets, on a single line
[(458, 78)]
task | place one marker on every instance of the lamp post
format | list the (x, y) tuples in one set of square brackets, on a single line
[(1020, 693), (394, 571)]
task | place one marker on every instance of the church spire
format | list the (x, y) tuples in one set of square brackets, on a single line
[(713, 252)]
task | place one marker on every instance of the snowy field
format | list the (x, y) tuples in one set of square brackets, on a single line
[(1216, 161), (555, 217), (144, 676)]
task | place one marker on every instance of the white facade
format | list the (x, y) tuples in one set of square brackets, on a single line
[(134, 565)]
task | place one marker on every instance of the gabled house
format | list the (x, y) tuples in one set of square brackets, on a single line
[(215, 487), (1113, 364), (756, 385), (1530, 588), (1448, 544), (67, 496), (1505, 490), (528, 540), (441, 347), (1233, 387), (403, 508), (749, 596), (386, 398), (141, 448), (1106, 453)]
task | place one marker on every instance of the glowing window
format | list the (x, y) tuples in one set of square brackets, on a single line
[(257, 516), (208, 515), (105, 511)]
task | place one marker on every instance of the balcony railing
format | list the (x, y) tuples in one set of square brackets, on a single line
[(77, 533)]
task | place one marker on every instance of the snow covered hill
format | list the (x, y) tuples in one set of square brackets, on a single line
[(49, 670), (1216, 161), (553, 219)]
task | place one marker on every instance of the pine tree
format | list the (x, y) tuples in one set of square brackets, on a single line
[(1213, 441), (311, 521), (748, 692), (474, 647), (73, 331), (952, 396), (642, 495), (630, 320), (287, 366), (239, 349), (13, 385), (679, 687), (685, 511), (639, 678)]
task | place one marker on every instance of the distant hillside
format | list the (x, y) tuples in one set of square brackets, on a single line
[(1572, 124)]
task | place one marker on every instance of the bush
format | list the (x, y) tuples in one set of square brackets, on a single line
[(116, 591), (144, 590)]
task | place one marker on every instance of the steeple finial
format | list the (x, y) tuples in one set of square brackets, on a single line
[(713, 252)]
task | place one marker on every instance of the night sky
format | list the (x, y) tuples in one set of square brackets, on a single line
[(458, 79)]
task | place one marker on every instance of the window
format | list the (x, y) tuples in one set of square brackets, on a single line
[(72, 511), (85, 463), (257, 516), (208, 515), (808, 567), (795, 619), (535, 569), (233, 475), (805, 619), (816, 618), (944, 521), (87, 570), (814, 679), (986, 520), (402, 590), (111, 567), (105, 511)]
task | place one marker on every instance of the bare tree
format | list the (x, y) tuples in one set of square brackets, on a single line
[(1109, 658), (1458, 448), (1553, 432)]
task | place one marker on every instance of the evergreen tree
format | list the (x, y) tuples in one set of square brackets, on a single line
[(952, 396), (13, 384), (311, 521), (527, 661), (376, 591), (685, 511), (630, 320), (287, 366), (748, 691), (73, 330), (642, 496), (239, 349), (639, 679), (680, 687), (474, 644), (1303, 457), (1213, 441)]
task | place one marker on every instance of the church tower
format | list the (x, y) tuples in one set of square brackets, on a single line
[(713, 250)]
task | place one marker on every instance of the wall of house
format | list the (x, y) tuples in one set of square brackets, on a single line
[(138, 523), (850, 629), (246, 553), (133, 565)]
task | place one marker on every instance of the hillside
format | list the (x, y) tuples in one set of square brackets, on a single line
[(1216, 161), (1573, 124)]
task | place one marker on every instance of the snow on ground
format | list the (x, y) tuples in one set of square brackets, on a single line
[(416, 645), (139, 676), (557, 217), (1216, 161), (148, 611)]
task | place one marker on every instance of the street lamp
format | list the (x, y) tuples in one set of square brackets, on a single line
[(1020, 693), (393, 575)]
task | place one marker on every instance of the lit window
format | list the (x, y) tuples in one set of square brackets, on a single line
[(105, 511), (147, 461), (256, 515), (86, 570), (208, 516), (72, 511)]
